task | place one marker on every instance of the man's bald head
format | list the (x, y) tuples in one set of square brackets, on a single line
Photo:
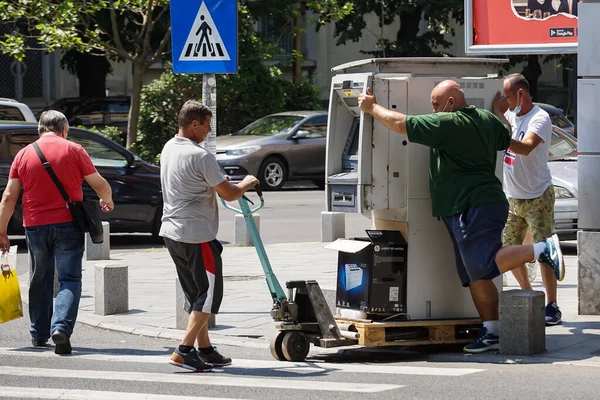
[(448, 96)]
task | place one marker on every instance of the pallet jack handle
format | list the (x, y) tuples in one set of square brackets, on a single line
[(277, 293)]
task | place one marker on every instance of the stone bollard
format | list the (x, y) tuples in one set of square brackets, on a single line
[(100, 251), (181, 317), (333, 226), (588, 284), (242, 233), (111, 289), (522, 322), (55, 286)]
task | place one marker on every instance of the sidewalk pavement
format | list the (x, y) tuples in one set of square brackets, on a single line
[(244, 318)]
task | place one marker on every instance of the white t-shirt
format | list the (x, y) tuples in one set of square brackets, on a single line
[(528, 177)]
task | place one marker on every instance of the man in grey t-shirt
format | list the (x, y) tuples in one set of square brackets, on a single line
[(191, 179)]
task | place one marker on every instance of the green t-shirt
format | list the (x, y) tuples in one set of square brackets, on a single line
[(464, 146)]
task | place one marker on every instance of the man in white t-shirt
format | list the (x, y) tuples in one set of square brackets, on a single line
[(528, 182)]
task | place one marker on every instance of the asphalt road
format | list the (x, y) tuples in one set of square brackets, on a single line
[(109, 365)]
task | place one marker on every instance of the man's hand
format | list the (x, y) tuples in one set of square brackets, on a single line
[(249, 182), (107, 205), (500, 105), (367, 101), (4, 243)]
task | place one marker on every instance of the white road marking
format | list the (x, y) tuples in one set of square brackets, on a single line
[(201, 379), (74, 394), (263, 364)]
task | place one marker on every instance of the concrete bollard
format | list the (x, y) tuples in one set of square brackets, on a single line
[(333, 226), (588, 285), (242, 233), (522, 322), (55, 286), (181, 317), (100, 251), (111, 289)]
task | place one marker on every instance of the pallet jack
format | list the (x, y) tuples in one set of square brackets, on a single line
[(302, 316)]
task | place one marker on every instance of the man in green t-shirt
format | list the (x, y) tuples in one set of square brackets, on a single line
[(466, 194)]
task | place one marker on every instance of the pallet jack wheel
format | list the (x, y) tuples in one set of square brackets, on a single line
[(276, 346), (295, 346)]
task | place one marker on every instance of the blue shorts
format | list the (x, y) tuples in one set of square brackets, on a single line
[(476, 234)]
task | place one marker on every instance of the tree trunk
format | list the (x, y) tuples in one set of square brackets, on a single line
[(298, 46), (134, 111)]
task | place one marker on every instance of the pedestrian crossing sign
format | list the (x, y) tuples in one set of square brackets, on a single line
[(204, 36)]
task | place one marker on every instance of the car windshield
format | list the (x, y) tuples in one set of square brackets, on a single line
[(560, 121), (271, 125), (562, 147)]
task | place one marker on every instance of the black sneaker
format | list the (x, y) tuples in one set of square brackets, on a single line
[(62, 342), (553, 314), (485, 342), (189, 361), (215, 358), (38, 343)]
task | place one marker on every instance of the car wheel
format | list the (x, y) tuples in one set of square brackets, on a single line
[(272, 174)]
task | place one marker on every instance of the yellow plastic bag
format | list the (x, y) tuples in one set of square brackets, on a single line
[(10, 292)]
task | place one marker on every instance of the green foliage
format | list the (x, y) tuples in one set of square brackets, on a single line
[(242, 98), (111, 132)]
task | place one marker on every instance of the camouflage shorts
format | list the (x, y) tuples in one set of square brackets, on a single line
[(536, 214)]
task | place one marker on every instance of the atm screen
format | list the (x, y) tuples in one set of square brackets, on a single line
[(351, 101)]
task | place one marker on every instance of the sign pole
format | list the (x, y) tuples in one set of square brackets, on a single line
[(209, 99)]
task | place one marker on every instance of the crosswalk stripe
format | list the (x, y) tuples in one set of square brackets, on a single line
[(263, 364), (8, 392), (205, 379)]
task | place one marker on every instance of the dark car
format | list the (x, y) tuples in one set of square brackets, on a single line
[(277, 148), (135, 183), (95, 111), (558, 118)]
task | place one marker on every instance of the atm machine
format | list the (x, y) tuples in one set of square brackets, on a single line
[(378, 173)]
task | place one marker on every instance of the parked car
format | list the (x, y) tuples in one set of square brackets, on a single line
[(558, 118), (95, 111), (135, 183), (277, 148), (12, 110), (563, 167)]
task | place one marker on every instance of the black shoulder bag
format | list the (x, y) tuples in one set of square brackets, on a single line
[(86, 213)]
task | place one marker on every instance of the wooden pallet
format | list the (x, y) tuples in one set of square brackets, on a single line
[(414, 332)]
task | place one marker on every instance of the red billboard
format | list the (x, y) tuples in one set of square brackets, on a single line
[(521, 26)]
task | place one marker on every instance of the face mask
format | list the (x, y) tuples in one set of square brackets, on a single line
[(517, 109), (446, 105)]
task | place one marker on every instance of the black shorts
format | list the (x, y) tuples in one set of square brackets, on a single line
[(476, 234), (200, 270)]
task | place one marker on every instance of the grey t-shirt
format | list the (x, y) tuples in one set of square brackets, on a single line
[(188, 175)]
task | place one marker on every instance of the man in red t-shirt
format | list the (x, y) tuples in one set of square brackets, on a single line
[(51, 235)]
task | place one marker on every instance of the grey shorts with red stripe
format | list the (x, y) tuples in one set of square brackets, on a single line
[(200, 271)]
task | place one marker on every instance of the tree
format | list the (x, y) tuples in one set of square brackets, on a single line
[(410, 42), (134, 30)]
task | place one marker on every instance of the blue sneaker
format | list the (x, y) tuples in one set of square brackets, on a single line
[(553, 314), (485, 341), (553, 256)]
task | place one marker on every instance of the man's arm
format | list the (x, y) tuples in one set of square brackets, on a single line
[(525, 146), (7, 208), (102, 189), (230, 192), (392, 120)]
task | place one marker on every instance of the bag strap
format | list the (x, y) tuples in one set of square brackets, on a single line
[(50, 171)]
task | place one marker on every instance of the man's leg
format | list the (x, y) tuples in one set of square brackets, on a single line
[(41, 283), (68, 249)]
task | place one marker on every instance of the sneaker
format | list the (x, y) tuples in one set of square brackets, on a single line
[(485, 342), (215, 358), (62, 342), (553, 314), (553, 256), (531, 271), (38, 343), (190, 361)]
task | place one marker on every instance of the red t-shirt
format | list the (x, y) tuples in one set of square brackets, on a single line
[(42, 202)]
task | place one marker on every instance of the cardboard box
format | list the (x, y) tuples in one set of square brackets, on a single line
[(372, 272)]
